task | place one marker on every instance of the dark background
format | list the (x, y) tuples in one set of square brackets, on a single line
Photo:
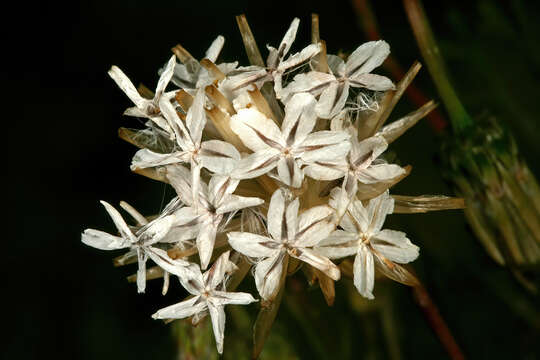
[(64, 155)]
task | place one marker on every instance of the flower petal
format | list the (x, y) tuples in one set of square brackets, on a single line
[(216, 274), (300, 118), (332, 99), (182, 309), (317, 261), (218, 156), (377, 210), (338, 244), (366, 57), (256, 164), (276, 215), (372, 82), (145, 158), (104, 241), (395, 246), (364, 272), (234, 298), (314, 225), (180, 179), (127, 86), (205, 242), (196, 118), (289, 172), (215, 48), (252, 245), (268, 274), (165, 77), (217, 314), (379, 173), (121, 225), (141, 271), (256, 131), (236, 202)]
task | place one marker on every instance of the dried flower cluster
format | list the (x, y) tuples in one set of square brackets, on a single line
[(276, 165)]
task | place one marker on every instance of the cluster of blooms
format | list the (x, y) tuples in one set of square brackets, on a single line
[(303, 133)]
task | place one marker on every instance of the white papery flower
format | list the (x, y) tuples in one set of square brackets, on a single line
[(140, 243), (203, 215), (191, 75), (362, 162), (217, 156), (333, 88), (145, 108), (291, 234), (363, 236), (288, 149), (207, 296), (276, 64)]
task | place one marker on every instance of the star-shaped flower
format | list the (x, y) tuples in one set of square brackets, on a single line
[(207, 296), (144, 107), (291, 234), (290, 148), (362, 162), (141, 242), (276, 64), (206, 212), (362, 236), (217, 156), (334, 88)]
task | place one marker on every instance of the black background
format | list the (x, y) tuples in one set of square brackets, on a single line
[(64, 155)]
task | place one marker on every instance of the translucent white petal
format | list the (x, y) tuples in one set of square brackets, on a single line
[(395, 246), (126, 86), (291, 218), (372, 82), (215, 48), (121, 225), (256, 131), (332, 99), (253, 245), (300, 118), (104, 241), (338, 244), (317, 261), (377, 210), (367, 57), (296, 59), (234, 298), (312, 82), (379, 173), (218, 156), (216, 274), (289, 172), (205, 242), (182, 309), (156, 230), (236, 202), (276, 215), (268, 274), (314, 225), (145, 158), (196, 118), (180, 178), (364, 272), (256, 164), (217, 314), (141, 271), (165, 77)]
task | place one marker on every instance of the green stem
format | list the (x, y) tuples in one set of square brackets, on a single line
[(459, 117)]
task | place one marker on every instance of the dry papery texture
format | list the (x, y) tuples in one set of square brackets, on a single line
[(277, 166)]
